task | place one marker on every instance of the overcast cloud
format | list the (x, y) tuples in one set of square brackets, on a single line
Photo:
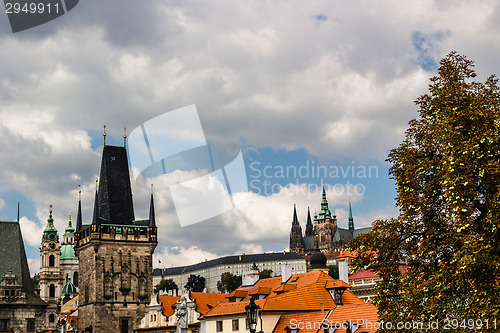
[(335, 78)]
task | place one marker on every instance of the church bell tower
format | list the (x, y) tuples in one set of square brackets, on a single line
[(50, 279), (115, 253)]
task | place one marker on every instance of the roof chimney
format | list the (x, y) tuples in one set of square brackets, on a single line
[(286, 272), (343, 272), (250, 278)]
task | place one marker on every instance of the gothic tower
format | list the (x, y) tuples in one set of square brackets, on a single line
[(325, 225), (296, 244), (50, 279), (115, 253)]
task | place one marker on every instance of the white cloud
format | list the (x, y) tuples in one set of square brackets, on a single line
[(180, 256), (32, 231), (34, 265), (333, 78)]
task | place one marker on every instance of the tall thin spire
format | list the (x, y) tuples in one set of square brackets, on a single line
[(79, 213), (104, 134), (295, 219), (95, 217), (309, 225), (152, 219), (18, 212), (124, 137), (351, 220)]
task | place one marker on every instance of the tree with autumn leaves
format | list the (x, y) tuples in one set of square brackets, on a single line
[(448, 232)]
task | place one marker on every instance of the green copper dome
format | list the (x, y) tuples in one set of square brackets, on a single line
[(69, 288), (68, 252), (50, 232)]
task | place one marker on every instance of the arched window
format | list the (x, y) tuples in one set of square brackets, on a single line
[(51, 260), (52, 318), (75, 279), (52, 291)]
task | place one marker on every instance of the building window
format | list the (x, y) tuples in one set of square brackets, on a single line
[(4, 325), (52, 318), (124, 325), (51, 260), (52, 291), (75, 279), (219, 325), (236, 324), (30, 325)]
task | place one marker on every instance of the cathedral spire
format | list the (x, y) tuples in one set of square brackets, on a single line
[(351, 220), (295, 219), (152, 219), (325, 211), (309, 225)]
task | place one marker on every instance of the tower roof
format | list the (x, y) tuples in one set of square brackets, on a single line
[(69, 229), (325, 211), (69, 288), (114, 197), (295, 219), (50, 232), (13, 259)]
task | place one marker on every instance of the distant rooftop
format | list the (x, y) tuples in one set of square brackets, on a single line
[(229, 260)]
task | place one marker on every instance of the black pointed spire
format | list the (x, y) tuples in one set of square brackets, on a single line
[(79, 213), (309, 225), (114, 197), (295, 219), (152, 220)]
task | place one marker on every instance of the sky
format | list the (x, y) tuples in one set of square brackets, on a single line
[(307, 93)]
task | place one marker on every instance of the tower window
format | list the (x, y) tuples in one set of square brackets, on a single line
[(52, 318), (51, 260), (52, 291)]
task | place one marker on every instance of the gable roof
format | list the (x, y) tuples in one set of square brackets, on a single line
[(302, 292), (13, 257)]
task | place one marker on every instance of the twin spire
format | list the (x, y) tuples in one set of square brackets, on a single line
[(124, 136)]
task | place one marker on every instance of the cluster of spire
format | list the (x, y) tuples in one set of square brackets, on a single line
[(323, 214)]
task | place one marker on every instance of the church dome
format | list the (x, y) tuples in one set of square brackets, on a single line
[(69, 288), (68, 251), (318, 260)]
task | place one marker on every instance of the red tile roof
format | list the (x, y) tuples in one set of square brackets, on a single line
[(168, 304), (308, 293), (368, 273), (292, 321), (311, 322), (204, 302)]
